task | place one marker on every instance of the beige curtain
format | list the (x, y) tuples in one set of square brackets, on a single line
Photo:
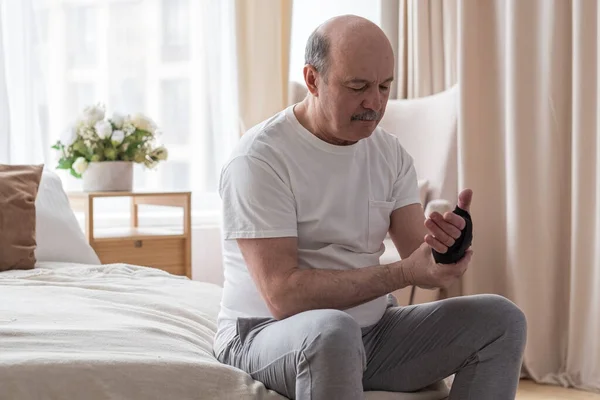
[(263, 32), (423, 34), (529, 146)]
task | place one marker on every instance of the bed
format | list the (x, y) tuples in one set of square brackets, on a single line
[(71, 328), (78, 331)]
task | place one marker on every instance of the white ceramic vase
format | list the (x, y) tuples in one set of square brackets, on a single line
[(108, 176)]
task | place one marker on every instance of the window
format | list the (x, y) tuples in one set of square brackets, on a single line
[(308, 14), (173, 60), (175, 99), (78, 93), (176, 30), (81, 39)]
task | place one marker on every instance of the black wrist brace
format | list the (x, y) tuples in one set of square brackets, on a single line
[(460, 246)]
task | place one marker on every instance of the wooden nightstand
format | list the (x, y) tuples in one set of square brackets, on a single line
[(167, 249)]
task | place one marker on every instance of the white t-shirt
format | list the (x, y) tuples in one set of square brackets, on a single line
[(282, 181)]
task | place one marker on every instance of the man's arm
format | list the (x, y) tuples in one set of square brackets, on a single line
[(407, 229), (288, 290), (408, 226)]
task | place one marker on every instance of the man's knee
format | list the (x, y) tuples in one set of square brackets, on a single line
[(493, 314), (513, 318), (506, 316), (338, 336), (337, 327)]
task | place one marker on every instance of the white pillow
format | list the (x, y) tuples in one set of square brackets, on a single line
[(58, 234)]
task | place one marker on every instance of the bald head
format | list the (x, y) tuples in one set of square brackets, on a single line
[(339, 38), (348, 72)]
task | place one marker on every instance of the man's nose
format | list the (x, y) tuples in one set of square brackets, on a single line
[(374, 99)]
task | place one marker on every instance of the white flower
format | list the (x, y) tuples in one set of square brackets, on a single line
[(69, 136), (93, 114), (117, 120), (86, 133), (117, 137), (80, 165), (161, 153), (81, 125), (150, 164), (103, 129), (128, 127), (143, 123)]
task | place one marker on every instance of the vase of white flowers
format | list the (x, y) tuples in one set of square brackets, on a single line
[(108, 176), (103, 150)]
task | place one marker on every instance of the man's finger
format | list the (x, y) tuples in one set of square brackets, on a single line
[(439, 233), (464, 200), (435, 244), (450, 223), (455, 220)]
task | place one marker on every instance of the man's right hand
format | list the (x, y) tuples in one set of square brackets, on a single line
[(422, 270)]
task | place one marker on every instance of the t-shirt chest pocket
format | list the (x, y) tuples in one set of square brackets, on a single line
[(379, 223)]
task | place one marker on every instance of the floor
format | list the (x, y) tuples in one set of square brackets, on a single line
[(530, 391)]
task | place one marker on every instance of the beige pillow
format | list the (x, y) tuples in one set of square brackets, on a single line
[(18, 190)]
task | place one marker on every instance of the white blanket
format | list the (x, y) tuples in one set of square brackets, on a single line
[(71, 331)]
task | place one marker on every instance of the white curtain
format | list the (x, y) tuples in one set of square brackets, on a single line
[(529, 147), (174, 60), (21, 91)]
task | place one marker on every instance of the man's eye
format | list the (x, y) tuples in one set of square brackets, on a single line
[(360, 89), (384, 88)]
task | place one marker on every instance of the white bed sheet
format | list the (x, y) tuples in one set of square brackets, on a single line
[(73, 331)]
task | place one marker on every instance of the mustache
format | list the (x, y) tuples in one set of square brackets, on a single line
[(369, 115)]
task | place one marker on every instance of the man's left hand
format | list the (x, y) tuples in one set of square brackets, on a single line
[(444, 230)]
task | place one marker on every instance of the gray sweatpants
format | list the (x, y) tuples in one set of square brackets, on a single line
[(324, 354)]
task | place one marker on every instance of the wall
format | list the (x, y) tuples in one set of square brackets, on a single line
[(207, 264)]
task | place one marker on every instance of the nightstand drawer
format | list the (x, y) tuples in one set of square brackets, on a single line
[(165, 253)]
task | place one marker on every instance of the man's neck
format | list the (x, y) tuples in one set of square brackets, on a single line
[(309, 117)]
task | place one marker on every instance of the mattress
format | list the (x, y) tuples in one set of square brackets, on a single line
[(75, 331)]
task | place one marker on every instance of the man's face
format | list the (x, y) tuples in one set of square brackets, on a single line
[(354, 95)]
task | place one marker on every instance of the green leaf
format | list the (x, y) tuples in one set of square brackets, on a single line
[(58, 145), (75, 174), (64, 163)]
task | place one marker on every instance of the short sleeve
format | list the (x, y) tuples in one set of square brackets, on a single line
[(406, 187), (257, 203)]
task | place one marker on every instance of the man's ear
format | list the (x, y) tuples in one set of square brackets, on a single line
[(311, 78)]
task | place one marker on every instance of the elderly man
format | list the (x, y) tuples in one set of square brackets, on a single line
[(308, 198)]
